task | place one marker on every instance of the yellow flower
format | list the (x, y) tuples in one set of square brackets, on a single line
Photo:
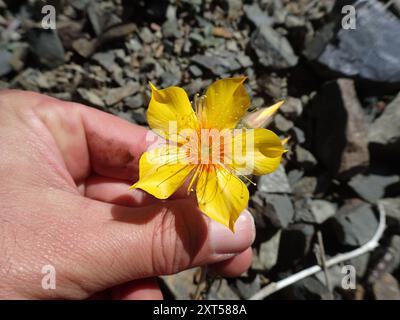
[(204, 148)]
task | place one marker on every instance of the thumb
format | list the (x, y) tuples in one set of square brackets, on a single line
[(160, 239)]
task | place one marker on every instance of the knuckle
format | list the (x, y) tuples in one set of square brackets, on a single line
[(171, 242)]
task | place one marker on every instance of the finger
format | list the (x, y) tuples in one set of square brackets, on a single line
[(235, 266), (117, 191), (142, 289), (88, 139)]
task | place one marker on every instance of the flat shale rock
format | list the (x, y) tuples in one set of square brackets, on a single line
[(384, 134), (292, 108), (307, 289), (181, 284), (5, 62), (275, 182), (305, 186), (279, 210), (216, 64), (354, 224), (46, 46), (304, 157), (91, 97), (372, 187), (272, 49), (282, 124), (370, 51), (295, 243), (340, 129), (267, 254), (220, 290), (248, 286), (360, 263), (257, 16), (115, 95), (392, 210), (322, 210)]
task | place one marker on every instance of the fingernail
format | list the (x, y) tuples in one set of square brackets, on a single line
[(224, 241)]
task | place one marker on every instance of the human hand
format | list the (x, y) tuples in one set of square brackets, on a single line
[(65, 170)]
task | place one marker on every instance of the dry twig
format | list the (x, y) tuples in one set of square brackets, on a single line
[(369, 246)]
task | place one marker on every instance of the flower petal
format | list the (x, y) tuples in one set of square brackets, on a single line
[(221, 195), (226, 103), (255, 151), (162, 171), (170, 112), (262, 117)]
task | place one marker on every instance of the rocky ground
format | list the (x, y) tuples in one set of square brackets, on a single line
[(342, 113)]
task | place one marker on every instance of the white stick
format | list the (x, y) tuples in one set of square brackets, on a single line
[(369, 246)]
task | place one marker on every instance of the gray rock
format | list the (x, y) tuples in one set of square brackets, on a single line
[(305, 187), (46, 46), (248, 286), (292, 108), (388, 260), (195, 71), (283, 124), (294, 176), (360, 263), (169, 79), (134, 102), (139, 115), (217, 65), (146, 35), (170, 29), (278, 210), (305, 157), (346, 51), (295, 244), (220, 290), (134, 45), (117, 94), (392, 210), (181, 284), (372, 187), (335, 276), (258, 17), (272, 49), (384, 134), (106, 60), (84, 47), (354, 224), (340, 129), (273, 85), (244, 60), (322, 210), (292, 21), (308, 289), (386, 288), (299, 135), (91, 97), (302, 207), (267, 254), (19, 56), (234, 9), (275, 182), (5, 62)]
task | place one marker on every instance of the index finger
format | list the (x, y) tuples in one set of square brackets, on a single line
[(90, 141)]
